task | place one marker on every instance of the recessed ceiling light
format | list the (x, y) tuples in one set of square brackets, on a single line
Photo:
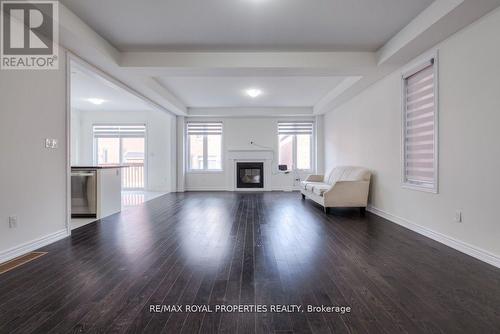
[(96, 101), (253, 92)]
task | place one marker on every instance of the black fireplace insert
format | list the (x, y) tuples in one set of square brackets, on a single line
[(250, 174)]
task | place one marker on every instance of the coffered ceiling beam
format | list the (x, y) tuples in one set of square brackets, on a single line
[(80, 39), (436, 23), (335, 63)]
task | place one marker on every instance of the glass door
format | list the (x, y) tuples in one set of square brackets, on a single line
[(108, 151), (125, 145), (132, 155)]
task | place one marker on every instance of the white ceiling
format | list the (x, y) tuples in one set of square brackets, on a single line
[(353, 25), (212, 92), (86, 85), (278, 45)]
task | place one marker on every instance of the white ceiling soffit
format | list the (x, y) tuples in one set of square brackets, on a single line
[(440, 20), (436, 23), (92, 92), (138, 69), (251, 112), (338, 63), (226, 92), (82, 40)]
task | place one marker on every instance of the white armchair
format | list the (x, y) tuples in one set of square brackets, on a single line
[(345, 186)]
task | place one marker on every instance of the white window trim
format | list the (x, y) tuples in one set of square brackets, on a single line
[(146, 140), (294, 151), (205, 155), (409, 71)]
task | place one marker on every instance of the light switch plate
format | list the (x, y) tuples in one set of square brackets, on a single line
[(12, 221), (51, 143)]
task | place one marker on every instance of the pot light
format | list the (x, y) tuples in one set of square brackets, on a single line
[(96, 101), (253, 92)]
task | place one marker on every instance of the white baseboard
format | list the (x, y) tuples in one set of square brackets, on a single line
[(22, 249), (459, 245), (204, 189), (238, 190)]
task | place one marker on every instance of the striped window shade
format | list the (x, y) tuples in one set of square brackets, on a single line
[(204, 128), (123, 131), (420, 128), (295, 128)]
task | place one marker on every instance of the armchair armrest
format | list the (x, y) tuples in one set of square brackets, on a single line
[(314, 178), (348, 194)]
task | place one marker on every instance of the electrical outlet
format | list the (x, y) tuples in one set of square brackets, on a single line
[(51, 143), (458, 217), (12, 221)]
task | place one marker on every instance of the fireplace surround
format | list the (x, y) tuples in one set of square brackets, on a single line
[(250, 175), (244, 155)]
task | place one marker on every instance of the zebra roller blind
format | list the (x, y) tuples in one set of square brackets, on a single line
[(420, 128), (114, 131), (295, 128), (204, 128)]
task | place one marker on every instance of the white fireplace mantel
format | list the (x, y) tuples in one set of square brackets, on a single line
[(234, 156), (250, 154)]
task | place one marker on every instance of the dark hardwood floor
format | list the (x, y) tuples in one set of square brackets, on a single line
[(248, 249)]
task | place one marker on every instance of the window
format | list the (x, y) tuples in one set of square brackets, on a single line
[(295, 145), (122, 144), (204, 141), (420, 127)]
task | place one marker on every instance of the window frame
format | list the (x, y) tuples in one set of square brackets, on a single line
[(205, 151), (411, 70), (95, 147), (294, 148)]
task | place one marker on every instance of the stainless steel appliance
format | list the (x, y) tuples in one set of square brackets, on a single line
[(83, 194)]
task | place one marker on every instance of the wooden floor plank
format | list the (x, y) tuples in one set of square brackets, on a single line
[(224, 248)]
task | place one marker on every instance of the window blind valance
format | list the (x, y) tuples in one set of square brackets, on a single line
[(295, 128), (113, 131), (204, 128)]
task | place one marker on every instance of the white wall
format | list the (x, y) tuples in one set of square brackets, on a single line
[(237, 134), (366, 132), (181, 160), (32, 178), (160, 143), (75, 124)]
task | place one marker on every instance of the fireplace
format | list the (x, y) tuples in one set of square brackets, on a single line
[(250, 174)]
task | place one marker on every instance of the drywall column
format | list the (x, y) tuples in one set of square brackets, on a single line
[(173, 154), (320, 144), (181, 159)]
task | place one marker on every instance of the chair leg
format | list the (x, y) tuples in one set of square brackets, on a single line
[(303, 196)]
